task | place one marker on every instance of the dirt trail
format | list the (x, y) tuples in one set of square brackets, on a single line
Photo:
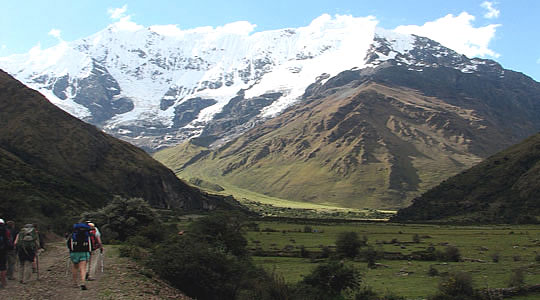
[(121, 279)]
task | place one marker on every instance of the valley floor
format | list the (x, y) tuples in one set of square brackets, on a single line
[(121, 279)]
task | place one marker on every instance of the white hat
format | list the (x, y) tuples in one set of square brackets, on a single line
[(2, 221)]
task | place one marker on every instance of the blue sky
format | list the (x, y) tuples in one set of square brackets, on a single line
[(504, 30)]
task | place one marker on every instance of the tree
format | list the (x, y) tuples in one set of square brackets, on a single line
[(332, 278), (221, 230), (123, 218), (348, 244)]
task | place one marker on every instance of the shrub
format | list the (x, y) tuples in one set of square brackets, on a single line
[(304, 252), (326, 252), (199, 269), (123, 218), (495, 257), (456, 286), (222, 230), (348, 244), (332, 278), (517, 278), (432, 271), (450, 253), (416, 238), (370, 254), (308, 229)]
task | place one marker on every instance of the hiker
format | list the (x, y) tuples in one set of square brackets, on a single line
[(41, 248), (27, 243), (79, 246), (97, 250), (12, 253), (5, 245)]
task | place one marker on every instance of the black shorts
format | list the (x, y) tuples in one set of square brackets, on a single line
[(3, 260), (27, 255)]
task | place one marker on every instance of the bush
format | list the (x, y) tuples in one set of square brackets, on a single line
[(123, 218), (199, 269), (456, 286), (416, 238), (495, 257), (517, 279), (450, 253), (308, 229), (222, 230), (348, 244), (304, 252), (432, 271), (332, 278)]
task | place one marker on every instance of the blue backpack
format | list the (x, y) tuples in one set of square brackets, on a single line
[(79, 241)]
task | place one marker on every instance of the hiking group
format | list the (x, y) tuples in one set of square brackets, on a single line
[(85, 251), (25, 244), (84, 244)]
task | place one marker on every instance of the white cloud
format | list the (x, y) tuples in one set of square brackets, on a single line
[(3, 47), (55, 33), (167, 30), (492, 12), (118, 13), (457, 33), (538, 61)]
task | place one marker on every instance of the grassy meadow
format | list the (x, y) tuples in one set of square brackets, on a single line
[(276, 246)]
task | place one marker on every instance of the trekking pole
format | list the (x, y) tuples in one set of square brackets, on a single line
[(37, 265), (102, 261)]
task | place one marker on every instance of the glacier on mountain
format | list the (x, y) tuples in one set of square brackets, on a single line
[(156, 86)]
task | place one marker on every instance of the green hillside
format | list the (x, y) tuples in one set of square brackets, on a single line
[(503, 188), (52, 164)]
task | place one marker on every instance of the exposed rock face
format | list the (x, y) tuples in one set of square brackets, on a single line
[(52, 162), (155, 90), (376, 137)]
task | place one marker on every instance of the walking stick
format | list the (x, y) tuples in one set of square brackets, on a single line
[(37, 265), (102, 261)]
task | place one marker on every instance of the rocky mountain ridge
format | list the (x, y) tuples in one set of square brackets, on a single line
[(156, 87), (374, 137)]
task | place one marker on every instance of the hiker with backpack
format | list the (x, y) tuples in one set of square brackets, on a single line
[(27, 243), (79, 246), (5, 245), (97, 250), (12, 253)]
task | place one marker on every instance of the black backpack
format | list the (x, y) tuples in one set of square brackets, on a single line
[(4, 239), (79, 241)]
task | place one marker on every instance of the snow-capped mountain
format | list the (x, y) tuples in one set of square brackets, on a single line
[(157, 86)]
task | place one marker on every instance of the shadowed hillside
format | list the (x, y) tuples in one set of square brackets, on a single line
[(51, 162), (503, 188)]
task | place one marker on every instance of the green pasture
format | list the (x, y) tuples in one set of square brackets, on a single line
[(516, 247)]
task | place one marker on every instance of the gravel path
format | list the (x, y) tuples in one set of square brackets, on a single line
[(121, 279)]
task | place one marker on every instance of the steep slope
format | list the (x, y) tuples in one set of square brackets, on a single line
[(52, 163), (502, 188), (376, 137), (159, 85)]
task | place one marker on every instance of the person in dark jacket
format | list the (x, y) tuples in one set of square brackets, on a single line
[(6, 245), (12, 253)]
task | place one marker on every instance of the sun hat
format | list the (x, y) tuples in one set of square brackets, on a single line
[(2, 221)]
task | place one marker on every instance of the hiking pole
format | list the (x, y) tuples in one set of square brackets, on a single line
[(37, 265), (102, 260)]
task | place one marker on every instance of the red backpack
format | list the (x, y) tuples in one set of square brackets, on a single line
[(94, 240)]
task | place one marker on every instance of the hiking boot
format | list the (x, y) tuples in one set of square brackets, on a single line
[(83, 287), (90, 279)]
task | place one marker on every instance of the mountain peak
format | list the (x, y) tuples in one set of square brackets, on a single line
[(157, 86)]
